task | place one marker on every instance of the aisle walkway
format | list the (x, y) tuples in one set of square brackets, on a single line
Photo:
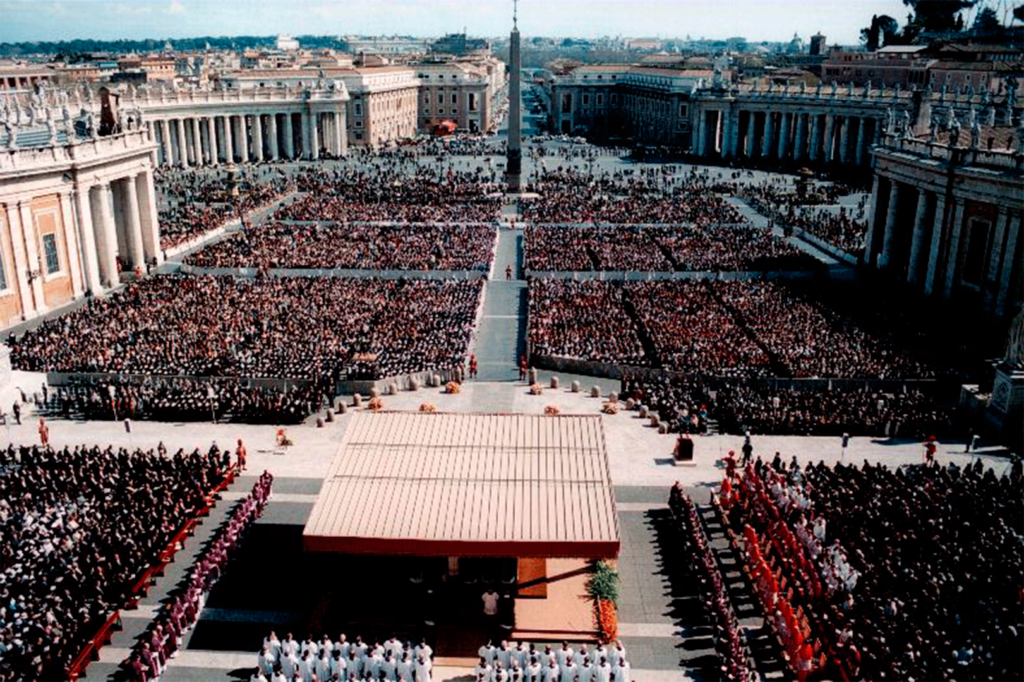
[(501, 337), (758, 220)]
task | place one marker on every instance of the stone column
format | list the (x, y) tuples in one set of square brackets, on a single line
[(844, 141), (197, 141), (812, 143), (211, 135), (341, 117), (1013, 225), (33, 259), (289, 137), (801, 137), (953, 259), (725, 125), (272, 134), (243, 137), (766, 140), (165, 144), (917, 239), (784, 135), (702, 121), (87, 237), (869, 236), (182, 147), (106, 235), (890, 225), (20, 258), (229, 145), (257, 137), (995, 256), (859, 151), (314, 135), (133, 224), (828, 139), (149, 224), (750, 135), (71, 242), (938, 222)]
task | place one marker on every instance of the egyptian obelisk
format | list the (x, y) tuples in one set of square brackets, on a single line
[(514, 168)]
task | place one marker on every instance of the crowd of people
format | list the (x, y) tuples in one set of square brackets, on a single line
[(323, 660), (582, 320), (292, 328), (711, 248), (183, 399), (734, 328), (389, 194), (194, 202), (789, 210), (730, 645), (356, 247), (524, 662), (77, 529), (571, 197), (163, 637), (907, 573)]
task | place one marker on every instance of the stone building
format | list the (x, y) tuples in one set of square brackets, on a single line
[(464, 92), (76, 211), (946, 211)]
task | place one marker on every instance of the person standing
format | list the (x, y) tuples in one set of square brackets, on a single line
[(44, 432)]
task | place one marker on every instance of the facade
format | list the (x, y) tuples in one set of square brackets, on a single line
[(387, 45), (946, 214), (463, 91), (23, 77), (75, 213), (902, 65)]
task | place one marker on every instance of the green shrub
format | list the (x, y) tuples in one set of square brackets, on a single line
[(604, 583)]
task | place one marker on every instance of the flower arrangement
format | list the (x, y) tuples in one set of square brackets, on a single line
[(610, 408), (536, 389), (552, 411), (452, 387), (428, 407), (375, 404), (603, 588), (607, 620)]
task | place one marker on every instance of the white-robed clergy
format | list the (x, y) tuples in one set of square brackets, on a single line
[(273, 643), (603, 671), (405, 666), (585, 671), (306, 666), (267, 660), (289, 663), (616, 653), (422, 669), (323, 666), (622, 671)]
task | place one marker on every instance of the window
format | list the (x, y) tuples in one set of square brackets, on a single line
[(358, 109), (455, 99), (682, 110), (50, 250), (600, 100), (3, 273), (586, 100)]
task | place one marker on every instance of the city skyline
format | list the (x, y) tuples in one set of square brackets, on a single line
[(755, 20)]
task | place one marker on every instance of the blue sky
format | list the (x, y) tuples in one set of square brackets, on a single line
[(756, 20)]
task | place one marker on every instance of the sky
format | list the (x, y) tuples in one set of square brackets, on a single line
[(755, 20)]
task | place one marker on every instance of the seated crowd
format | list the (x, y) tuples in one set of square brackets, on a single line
[(711, 248), (181, 399), (77, 529), (866, 572), (196, 202), (788, 210), (578, 197), (380, 195), (354, 247), (731, 328), (686, 402), (290, 327)]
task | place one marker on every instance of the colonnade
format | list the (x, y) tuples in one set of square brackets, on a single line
[(809, 136), (209, 140), (933, 253)]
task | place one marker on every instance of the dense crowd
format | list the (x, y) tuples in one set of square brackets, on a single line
[(385, 194), (685, 403), (165, 634), (582, 320), (708, 248), (324, 660), (789, 210), (576, 197), (77, 529), (912, 573), (369, 247), (181, 399), (733, 328), (295, 328), (195, 202)]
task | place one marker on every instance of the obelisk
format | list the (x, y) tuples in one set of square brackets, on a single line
[(514, 167)]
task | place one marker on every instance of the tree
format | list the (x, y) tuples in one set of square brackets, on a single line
[(884, 30), (938, 15), (987, 21)]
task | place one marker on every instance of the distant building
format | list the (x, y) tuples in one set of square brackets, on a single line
[(387, 45), (286, 43), (463, 91), (818, 46), (902, 65), (460, 45), (17, 77)]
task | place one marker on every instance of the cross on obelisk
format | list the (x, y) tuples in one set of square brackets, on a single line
[(514, 155)]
